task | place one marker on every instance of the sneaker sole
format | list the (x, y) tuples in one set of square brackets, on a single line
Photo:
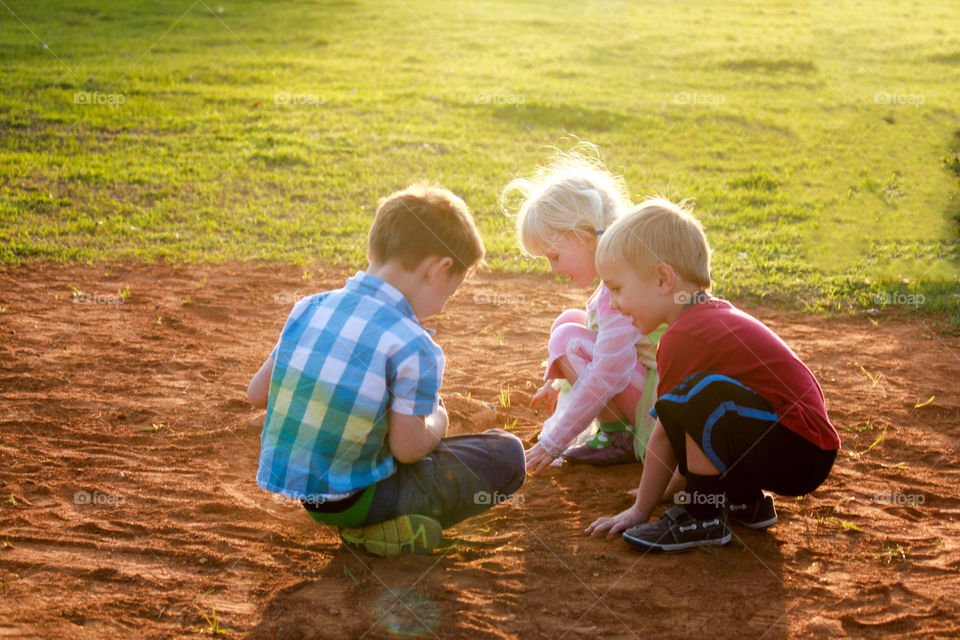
[(410, 534), (677, 546), (756, 525)]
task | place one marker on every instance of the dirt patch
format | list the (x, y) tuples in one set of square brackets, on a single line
[(128, 504)]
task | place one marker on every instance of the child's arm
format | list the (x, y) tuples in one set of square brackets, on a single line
[(657, 471), (413, 437), (547, 393), (537, 459), (609, 373), (259, 388)]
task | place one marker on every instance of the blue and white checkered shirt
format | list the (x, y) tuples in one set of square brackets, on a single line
[(344, 359)]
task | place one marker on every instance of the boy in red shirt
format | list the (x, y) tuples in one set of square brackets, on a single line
[(737, 410)]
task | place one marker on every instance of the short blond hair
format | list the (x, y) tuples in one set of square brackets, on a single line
[(422, 221), (656, 231), (573, 194)]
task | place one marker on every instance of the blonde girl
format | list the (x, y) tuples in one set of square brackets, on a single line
[(608, 363)]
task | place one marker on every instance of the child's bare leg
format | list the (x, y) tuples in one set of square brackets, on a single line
[(677, 483), (614, 443), (704, 486), (610, 413), (697, 461)]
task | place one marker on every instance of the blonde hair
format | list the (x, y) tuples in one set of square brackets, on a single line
[(656, 231), (422, 221), (573, 194)]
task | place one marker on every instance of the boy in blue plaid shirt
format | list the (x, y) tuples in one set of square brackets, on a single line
[(355, 426)]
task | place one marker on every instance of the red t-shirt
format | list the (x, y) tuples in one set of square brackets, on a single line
[(716, 336)]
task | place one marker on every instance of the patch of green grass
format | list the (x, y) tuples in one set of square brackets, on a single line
[(819, 143)]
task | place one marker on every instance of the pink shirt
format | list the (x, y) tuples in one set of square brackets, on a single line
[(611, 369)]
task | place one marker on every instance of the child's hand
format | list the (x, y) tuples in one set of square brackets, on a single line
[(547, 393), (537, 459), (618, 523)]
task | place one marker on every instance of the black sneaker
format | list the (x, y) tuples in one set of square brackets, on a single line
[(677, 530), (759, 514), (617, 450)]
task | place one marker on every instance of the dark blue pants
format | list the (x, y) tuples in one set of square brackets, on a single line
[(465, 475), (742, 436)]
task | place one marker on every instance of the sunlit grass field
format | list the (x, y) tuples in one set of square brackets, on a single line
[(815, 137)]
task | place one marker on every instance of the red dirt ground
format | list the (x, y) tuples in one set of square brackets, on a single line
[(128, 505)]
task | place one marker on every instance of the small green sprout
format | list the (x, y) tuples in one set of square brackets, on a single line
[(890, 553), (214, 624), (504, 396), (844, 524), (875, 379)]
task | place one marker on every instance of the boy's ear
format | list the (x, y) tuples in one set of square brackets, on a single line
[(666, 277), (438, 266)]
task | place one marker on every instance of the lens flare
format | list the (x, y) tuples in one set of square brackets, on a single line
[(406, 612)]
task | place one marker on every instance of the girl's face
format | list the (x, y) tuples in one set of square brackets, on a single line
[(572, 254)]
